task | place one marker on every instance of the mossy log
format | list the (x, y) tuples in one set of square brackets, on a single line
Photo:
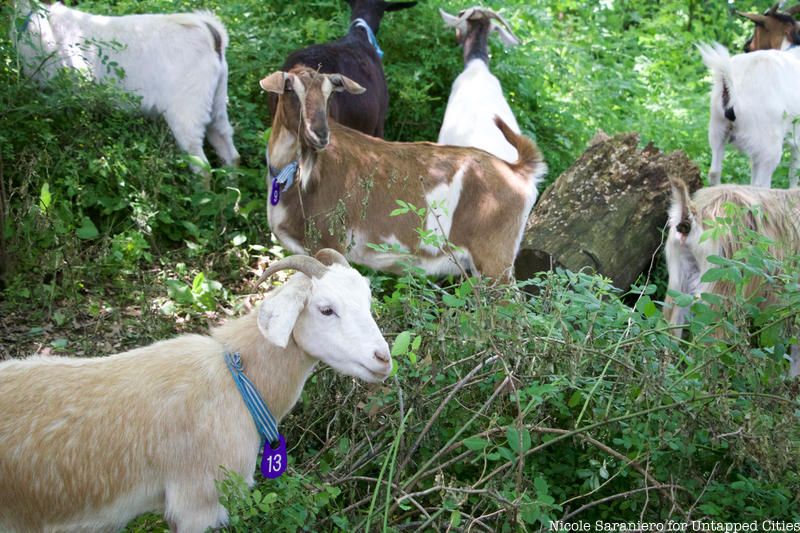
[(606, 212)]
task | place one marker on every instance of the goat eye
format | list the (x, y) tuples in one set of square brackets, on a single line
[(327, 311)]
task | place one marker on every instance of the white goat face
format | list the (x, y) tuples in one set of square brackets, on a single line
[(329, 318)]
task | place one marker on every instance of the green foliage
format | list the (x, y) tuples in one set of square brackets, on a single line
[(507, 408)]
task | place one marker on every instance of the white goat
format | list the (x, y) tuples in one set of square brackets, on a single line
[(175, 63), (477, 97), (88, 444), (754, 105), (687, 254)]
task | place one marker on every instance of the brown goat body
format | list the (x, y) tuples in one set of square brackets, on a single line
[(350, 183)]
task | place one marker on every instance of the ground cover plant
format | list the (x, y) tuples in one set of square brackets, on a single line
[(511, 406)]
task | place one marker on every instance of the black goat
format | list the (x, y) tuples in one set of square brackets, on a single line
[(357, 56)]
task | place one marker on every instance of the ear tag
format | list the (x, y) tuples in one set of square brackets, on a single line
[(273, 461), (275, 193)]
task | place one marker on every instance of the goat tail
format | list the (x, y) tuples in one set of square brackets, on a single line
[(680, 210), (219, 36), (530, 162), (718, 60)]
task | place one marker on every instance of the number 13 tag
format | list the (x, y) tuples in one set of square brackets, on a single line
[(273, 462)]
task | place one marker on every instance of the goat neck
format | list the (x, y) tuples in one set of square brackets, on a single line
[(370, 12), (285, 142), (476, 42), (278, 374)]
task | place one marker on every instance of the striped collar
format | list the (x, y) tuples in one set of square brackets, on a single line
[(23, 27), (265, 422), (284, 176), (361, 23)]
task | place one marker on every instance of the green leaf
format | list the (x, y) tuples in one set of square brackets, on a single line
[(416, 343), (513, 438), (401, 343), (646, 306), (87, 230), (541, 486), (59, 344), (475, 443), (718, 274), (45, 198), (452, 301), (179, 291), (575, 399), (197, 282)]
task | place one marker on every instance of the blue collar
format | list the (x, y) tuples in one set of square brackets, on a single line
[(22, 28), (361, 23), (266, 424), (284, 176)]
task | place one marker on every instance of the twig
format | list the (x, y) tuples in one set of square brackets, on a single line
[(608, 499), (411, 482), (708, 482), (438, 411)]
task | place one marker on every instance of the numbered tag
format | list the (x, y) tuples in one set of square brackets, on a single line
[(275, 193), (273, 462)]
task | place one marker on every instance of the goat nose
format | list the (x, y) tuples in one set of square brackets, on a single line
[(382, 356), (321, 133)]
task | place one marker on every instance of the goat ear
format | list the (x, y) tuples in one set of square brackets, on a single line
[(397, 6), (681, 201), (275, 82), (755, 17), (278, 314), (343, 83), (508, 38), (449, 20)]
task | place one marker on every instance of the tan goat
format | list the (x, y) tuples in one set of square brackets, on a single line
[(687, 254), (348, 184), (88, 444)]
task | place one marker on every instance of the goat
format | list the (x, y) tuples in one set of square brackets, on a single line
[(774, 30), (753, 106), (88, 444), (175, 63), (348, 183), (687, 255), (357, 56), (477, 97)]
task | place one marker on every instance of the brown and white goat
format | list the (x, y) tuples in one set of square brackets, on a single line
[(349, 182), (774, 30), (688, 254)]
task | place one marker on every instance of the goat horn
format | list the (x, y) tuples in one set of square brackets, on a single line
[(773, 9), (329, 256), (309, 266), (793, 10), (500, 19), (466, 14)]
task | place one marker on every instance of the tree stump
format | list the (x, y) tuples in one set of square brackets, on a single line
[(606, 212)]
